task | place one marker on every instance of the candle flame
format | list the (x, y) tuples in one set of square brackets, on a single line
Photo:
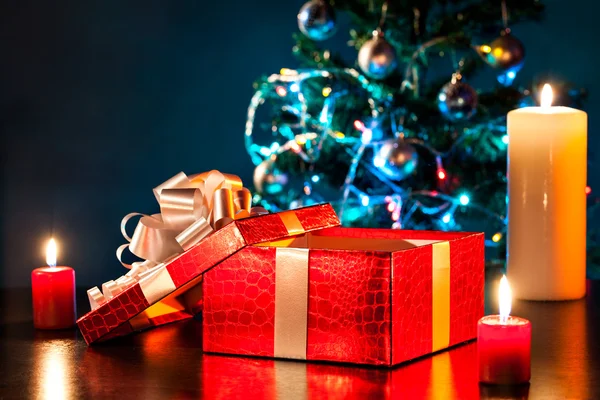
[(505, 299), (51, 253), (547, 96)]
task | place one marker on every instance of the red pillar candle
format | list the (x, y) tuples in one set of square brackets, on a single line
[(504, 344), (53, 290)]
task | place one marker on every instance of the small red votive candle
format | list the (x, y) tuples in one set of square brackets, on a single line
[(53, 291), (504, 344)]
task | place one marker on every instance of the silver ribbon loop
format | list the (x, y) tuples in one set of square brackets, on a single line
[(191, 208), (181, 207), (96, 297), (153, 239)]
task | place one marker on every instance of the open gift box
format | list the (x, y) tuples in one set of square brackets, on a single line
[(171, 291), (365, 296)]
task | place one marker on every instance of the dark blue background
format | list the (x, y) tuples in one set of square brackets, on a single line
[(101, 101)]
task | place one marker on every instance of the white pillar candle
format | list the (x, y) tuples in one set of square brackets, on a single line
[(547, 163)]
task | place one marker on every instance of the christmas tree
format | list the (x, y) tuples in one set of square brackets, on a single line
[(396, 137)]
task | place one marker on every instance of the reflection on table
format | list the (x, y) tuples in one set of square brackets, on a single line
[(168, 362)]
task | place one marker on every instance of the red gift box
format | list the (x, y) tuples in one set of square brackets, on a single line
[(365, 296), (172, 292)]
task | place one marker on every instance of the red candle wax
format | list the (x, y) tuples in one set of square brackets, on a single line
[(53, 290), (504, 350)]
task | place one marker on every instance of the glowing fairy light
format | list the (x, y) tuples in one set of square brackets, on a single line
[(364, 200), (359, 125), (281, 91)]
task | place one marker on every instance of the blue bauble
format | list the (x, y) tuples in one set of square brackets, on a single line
[(316, 20), (457, 101), (396, 159)]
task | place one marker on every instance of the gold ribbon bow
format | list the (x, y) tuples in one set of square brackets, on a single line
[(191, 208)]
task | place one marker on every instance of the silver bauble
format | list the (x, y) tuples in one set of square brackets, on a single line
[(268, 179), (396, 159), (316, 19), (377, 57), (457, 100)]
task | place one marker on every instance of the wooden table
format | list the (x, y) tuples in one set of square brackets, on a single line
[(168, 362)]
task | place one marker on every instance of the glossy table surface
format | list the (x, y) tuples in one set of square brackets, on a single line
[(168, 362)]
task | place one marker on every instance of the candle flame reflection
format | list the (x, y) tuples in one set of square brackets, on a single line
[(53, 370), (51, 253), (547, 96), (505, 300)]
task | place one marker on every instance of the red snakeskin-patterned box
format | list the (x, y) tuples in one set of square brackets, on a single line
[(365, 296), (172, 292)]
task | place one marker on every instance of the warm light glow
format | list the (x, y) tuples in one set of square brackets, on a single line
[(441, 174), (588, 190), (505, 299), (547, 95), (51, 253), (485, 49), (281, 91), (326, 91), (358, 125), (497, 237)]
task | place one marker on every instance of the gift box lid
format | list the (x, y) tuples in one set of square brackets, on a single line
[(166, 294)]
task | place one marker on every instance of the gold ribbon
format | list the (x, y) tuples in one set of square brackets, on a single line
[(441, 295), (191, 208), (292, 223), (291, 302)]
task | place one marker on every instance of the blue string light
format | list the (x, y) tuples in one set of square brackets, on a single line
[(447, 218)]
